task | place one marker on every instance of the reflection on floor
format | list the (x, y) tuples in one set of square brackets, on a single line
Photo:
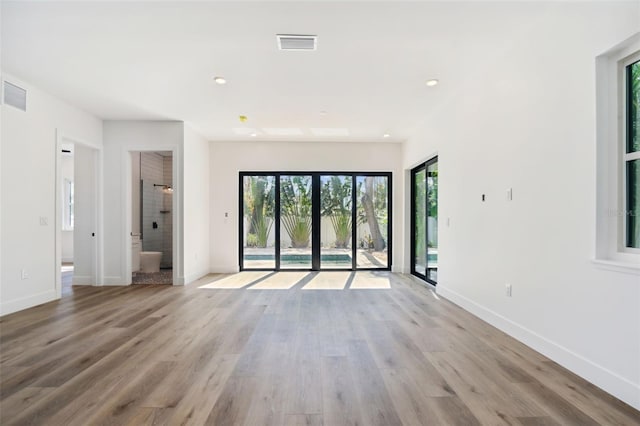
[(165, 276), (265, 280), (66, 271)]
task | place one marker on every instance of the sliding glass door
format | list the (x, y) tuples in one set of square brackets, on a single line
[(373, 221), (295, 222), (315, 221), (258, 240), (336, 221), (424, 221)]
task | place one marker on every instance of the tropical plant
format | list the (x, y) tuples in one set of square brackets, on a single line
[(252, 240), (342, 228), (336, 203), (259, 201), (298, 228), (262, 227), (295, 201)]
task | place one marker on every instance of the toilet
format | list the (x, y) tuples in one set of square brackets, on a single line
[(150, 261)]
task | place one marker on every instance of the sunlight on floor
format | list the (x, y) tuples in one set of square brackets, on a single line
[(280, 281), (302, 280), (328, 281), (371, 280), (236, 281)]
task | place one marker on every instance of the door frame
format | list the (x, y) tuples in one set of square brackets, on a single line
[(97, 272), (316, 218), (422, 166)]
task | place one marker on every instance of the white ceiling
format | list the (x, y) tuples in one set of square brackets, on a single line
[(156, 60)]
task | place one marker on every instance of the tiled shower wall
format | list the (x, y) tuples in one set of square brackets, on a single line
[(156, 205), (167, 228)]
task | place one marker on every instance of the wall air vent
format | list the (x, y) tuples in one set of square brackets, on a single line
[(14, 96), (297, 42)]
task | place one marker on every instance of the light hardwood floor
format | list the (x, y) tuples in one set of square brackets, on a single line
[(281, 349)]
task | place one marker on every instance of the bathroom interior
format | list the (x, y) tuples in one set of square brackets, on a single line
[(152, 217)]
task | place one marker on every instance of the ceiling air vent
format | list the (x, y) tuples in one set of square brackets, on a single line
[(15, 96), (297, 42)]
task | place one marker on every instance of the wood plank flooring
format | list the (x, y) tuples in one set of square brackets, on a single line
[(280, 349)]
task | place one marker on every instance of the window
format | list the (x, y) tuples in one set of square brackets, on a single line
[(67, 205), (631, 156), (618, 157), (315, 221)]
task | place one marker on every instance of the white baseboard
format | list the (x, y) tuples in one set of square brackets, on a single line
[(83, 280), (224, 269), (16, 305), (602, 377), (113, 280), (194, 277)]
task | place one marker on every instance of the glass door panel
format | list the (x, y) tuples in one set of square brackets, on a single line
[(432, 222), (335, 222), (372, 196), (295, 222), (258, 220), (420, 222)]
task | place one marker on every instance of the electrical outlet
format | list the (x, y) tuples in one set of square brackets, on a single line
[(44, 221), (507, 290), (510, 194), (23, 274)]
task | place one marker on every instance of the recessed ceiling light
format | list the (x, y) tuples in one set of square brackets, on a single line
[(220, 80), (432, 82), (386, 135), (254, 134)]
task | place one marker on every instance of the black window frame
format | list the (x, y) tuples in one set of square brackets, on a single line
[(414, 171), (315, 232)]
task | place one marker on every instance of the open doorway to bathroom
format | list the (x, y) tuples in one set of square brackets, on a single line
[(152, 217)]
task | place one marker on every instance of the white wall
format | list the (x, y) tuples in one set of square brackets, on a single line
[(197, 196), (28, 192), (527, 122), (120, 138), (230, 158)]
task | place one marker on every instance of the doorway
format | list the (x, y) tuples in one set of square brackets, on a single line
[(315, 221), (152, 217), (424, 221), (77, 215)]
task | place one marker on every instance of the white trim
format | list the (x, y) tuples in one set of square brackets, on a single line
[(114, 281), (610, 243), (83, 280), (224, 269), (605, 379), (203, 272), (621, 267), (28, 302)]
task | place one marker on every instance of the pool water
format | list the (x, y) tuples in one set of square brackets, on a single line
[(301, 258)]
